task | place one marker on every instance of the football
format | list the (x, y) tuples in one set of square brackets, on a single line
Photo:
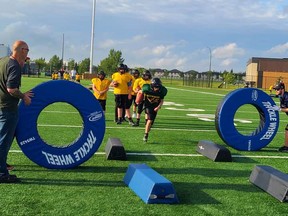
[(139, 97), (115, 83), (137, 89)]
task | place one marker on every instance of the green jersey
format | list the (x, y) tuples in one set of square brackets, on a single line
[(153, 98)]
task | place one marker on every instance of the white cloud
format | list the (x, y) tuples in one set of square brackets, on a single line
[(12, 28), (109, 43), (163, 33), (227, 51), (279, 49), (168, 61), (139, 37), (198, 11), (161, 50), (16, 15), (228, 62), (163, 63), (180, 63)]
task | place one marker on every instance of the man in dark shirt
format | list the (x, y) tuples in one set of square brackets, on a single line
[(154, 94), (283, 96), (10, 94)]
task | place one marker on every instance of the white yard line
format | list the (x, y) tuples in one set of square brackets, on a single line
[(128, 127), (184, 155), (67, 126), (55, 111), (199, 92), (139, 128)]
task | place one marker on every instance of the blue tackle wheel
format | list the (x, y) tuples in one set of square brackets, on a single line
[(76, 153), (269, 119)]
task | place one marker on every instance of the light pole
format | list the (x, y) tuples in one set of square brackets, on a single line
[(92, 37), (209, 72), (210, 58), (62, 58)]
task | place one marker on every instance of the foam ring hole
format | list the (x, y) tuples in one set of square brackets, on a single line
[(247, 126), (63, 121)]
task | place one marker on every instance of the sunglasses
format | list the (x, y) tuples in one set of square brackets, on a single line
[(26, 49)]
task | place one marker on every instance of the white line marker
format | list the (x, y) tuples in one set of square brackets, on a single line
[(198, 92), (185, 155)]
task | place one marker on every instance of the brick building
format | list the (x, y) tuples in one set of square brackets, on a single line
[(265, 72)]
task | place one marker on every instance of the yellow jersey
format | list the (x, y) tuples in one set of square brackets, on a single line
[(78, 77), (270, 88), (138, 84), (124, 83), (66, 76), (101, 85), (133, 81), (55, 76)]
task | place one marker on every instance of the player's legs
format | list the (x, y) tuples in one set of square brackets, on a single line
[(285, 147), (150, 116)]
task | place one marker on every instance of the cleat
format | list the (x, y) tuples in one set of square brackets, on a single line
[(283, 149), (145, 138), (9, 179), (131, 123), (9, 167), (136, 124)]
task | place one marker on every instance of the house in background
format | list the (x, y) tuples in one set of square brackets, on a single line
[(264, 72), (4, 50)]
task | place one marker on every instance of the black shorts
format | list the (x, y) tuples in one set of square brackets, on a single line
[(134, 100), (103, 104), (140, 107), (131, 101), (122, 101), (151, 114)]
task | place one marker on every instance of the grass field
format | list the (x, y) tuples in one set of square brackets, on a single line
[(96, 187)]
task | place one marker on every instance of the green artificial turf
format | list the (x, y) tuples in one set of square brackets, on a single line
[(204, 187)]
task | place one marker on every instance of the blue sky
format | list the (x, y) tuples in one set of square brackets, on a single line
[(168, 34)]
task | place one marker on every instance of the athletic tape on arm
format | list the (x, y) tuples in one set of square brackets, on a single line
[(269, 119), (75, 153)]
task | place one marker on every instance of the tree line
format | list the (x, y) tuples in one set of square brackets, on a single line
[(110, 64)]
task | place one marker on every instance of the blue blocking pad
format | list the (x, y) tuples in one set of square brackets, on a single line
[(149, 185), (74, 154), (262, 135)]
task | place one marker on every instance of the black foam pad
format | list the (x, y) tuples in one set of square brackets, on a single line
[(270, 180), (114, 150), (214, 151)]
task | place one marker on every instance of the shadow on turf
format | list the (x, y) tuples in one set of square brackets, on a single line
[(72, 182), (205, 172), (191, 193), (79, 169), (140, 156), (80, 180), (194, 193)]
